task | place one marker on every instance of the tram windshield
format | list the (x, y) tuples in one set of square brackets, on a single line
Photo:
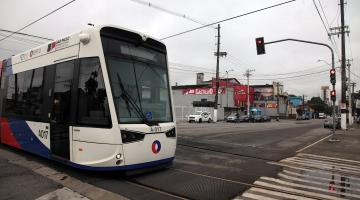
[(139, 82)]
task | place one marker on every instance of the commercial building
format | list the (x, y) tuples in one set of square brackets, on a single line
[(266, 99)]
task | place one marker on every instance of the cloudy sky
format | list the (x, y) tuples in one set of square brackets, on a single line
[(194, 52)]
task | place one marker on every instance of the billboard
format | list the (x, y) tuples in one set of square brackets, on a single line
[(202, 91), (240, 94)]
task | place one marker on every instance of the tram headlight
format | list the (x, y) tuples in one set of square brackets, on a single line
[(118, 156), (171, 133), (129, 136)]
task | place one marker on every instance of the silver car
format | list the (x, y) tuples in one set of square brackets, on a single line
[(328, 122)]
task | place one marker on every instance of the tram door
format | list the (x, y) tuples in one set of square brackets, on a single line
[(60, 108)]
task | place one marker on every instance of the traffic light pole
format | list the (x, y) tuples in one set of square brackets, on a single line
[(332, 139)]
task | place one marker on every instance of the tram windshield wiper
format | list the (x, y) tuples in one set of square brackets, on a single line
[(129, 101)]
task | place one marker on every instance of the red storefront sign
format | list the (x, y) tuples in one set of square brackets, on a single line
[(203, 91), (240, 96)]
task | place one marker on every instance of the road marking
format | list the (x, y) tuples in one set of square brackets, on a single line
[(255, 196), (329, 158), (302, 149), (326, 163), (317, 195), (279, 194), (282, 175), (305, 176), (329, 168), (63, 193), (310, 176), (305, 187), (312, 169)]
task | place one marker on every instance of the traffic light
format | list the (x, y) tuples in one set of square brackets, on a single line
[(260, 46), (332, 76), (333, 95)]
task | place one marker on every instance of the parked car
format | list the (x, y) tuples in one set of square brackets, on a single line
[(256, 118), (322, 116), (358, 120), (233, 117), (266, 118), (244, 118), (303, 117), (200, 116), (328, 122)]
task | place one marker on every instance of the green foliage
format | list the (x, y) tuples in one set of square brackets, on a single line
[(318, 105)]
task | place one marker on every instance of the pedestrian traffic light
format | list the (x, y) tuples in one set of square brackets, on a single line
[(260, 46), (333, 95), (332, 76)]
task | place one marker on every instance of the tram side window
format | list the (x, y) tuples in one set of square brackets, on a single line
[(11, 96), (24, 95), (33, 93), (93, 107)]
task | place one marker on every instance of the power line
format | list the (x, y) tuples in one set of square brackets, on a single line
[(326, 30), (25, 34), (38, 20), (227, 19), (23, 39), (169, 11)]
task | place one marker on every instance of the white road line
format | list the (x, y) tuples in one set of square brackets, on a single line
[(315, 195), (310, 170), (330, 158), (323, 167), (279, 194), (255, 196), (324, 163), (306, 187), (63, 193), (318, 183), (302, 149), (339, 163), (306, 176)]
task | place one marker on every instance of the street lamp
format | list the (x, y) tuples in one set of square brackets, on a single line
[(226, 87)]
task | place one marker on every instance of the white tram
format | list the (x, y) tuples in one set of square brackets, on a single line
[(98, 99)]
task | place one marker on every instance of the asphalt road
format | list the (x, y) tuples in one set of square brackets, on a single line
[(213, 161)]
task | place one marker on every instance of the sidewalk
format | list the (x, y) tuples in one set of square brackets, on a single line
[(347, 148), (23, 178)]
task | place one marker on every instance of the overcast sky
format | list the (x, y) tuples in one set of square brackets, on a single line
[(194, 52)]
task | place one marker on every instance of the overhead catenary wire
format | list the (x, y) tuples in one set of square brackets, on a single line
[(57, 9), (170, 12), (334, 44), (25, 34), (227, 19)]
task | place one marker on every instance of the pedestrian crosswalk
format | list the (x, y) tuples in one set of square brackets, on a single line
[(308, 176)]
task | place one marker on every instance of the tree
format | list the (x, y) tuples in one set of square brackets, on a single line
[(318, 105)]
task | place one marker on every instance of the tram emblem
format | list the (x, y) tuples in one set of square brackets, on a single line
[(156, 147)]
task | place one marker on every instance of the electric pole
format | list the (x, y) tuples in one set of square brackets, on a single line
[(343, 68), (217, 54), (248, 74), (277, 99), (351, 121)]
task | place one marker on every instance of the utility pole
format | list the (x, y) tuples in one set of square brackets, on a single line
[(351, 121), (343, 68), (217, 54), (248, 74), (277, 99)]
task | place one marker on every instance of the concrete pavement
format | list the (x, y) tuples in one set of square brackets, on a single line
[(324, 170)]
